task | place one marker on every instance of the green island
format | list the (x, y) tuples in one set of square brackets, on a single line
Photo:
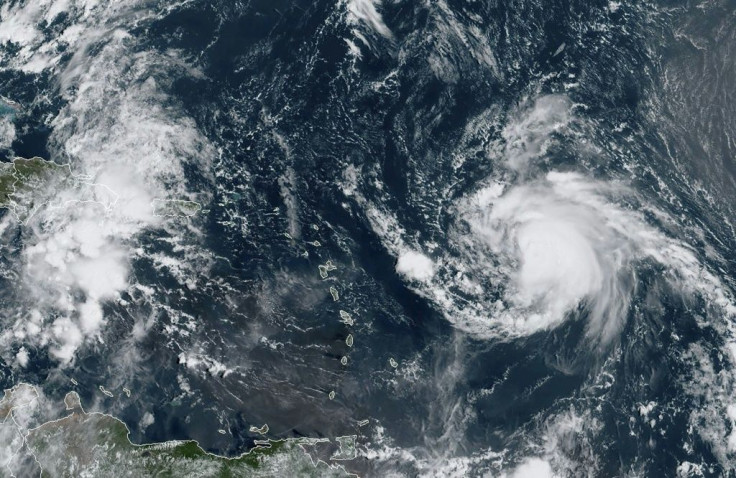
[(175, 208), (98, 445)]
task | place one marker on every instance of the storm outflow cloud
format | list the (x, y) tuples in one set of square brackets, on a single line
[(535, 246)]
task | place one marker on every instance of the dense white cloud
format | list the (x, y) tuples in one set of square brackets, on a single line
[(533, 468), (126, 143), (415, 265)]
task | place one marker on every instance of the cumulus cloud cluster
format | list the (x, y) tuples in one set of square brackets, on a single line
[(122, 134), (415, 265)]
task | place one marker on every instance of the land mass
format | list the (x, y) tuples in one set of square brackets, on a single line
[(97, 444), (27, 184)]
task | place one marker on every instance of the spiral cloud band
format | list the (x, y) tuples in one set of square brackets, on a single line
[(537, 246)]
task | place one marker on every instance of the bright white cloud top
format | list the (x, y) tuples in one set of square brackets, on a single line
[(534, 247), (415, 266)]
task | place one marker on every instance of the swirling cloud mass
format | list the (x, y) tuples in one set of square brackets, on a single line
[(537, 246)]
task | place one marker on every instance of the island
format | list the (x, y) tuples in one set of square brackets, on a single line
[(175, 208), (28, 184)]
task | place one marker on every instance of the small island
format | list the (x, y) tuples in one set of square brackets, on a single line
[(175, 208)]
